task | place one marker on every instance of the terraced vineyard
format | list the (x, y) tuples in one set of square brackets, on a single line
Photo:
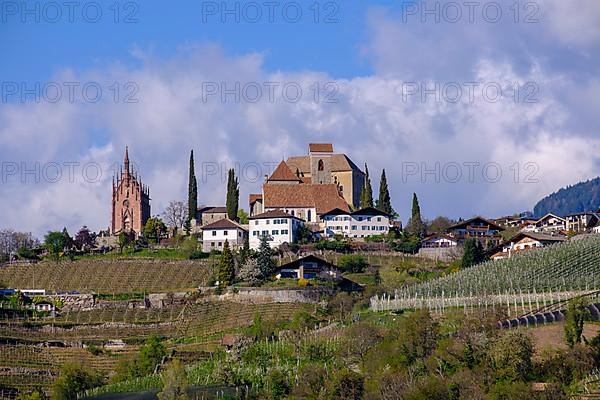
[(109, 276), (543, 275)]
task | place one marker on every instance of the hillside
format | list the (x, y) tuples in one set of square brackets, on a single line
[(110, 275), (540, 275), (584, 196)]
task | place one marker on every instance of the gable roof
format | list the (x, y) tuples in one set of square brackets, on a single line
[(322, 197), (283, 173), (309, 258), (339, 163), (274, 214), (478, 218), (320, 147), (212, 210), (542, 237), (549, 215), (335, 211), (254, 198), (440, 236), (225, 223)]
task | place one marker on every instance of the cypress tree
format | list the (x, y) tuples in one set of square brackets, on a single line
[(366, 194), (416, 226), (385, 202), (264, 258), (226, 267), (192, 191), (233, 196)]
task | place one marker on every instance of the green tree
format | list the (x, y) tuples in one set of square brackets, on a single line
[(577, 314), (226, 266), (264, 258), (233, 196), (55, 242), (73, 380), (125, 239), (175, 382), (192, 190), (347, 385), (155, 229), (384, 203), (151, 355), (366, 194), (510, 357), (416, 225), (242, 216), (473, 253)]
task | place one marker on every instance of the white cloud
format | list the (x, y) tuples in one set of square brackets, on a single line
[(372, 122)]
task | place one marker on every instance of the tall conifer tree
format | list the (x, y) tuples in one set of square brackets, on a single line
[(385, 202), (416, 226), (233, 196), (366, 194), (192, 190)]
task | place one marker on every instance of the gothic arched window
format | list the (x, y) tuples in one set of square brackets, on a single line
[(321, 165)]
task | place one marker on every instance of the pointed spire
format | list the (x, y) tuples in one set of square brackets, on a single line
[(127, 158)]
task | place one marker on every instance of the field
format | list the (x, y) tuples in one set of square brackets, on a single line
[(109, 275), (544, 275)]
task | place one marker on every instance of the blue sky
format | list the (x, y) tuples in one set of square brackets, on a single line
[(36, 50), (374, 56)]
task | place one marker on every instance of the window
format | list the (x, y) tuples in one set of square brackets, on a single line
[(354, 227), (212, 244), (268, 222), (275, 232), (378, 219), (214, 233), (225, 232), (284, 221), (309, 215), (265, 233), (255, 233), (321, 166), (284, 231)]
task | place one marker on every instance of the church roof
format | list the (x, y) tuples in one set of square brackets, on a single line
[(254, 197), (323, 198), (320, 148), (339, 163), (283, 173)]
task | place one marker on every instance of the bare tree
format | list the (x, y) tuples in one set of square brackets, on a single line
[(11, 241), (175, 214)]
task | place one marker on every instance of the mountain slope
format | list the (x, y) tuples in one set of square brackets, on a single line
[(584, 196)]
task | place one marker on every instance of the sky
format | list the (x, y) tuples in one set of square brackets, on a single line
[(481, 108)]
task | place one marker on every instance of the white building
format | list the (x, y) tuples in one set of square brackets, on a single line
[(550, 223), (278, 226), (358, 224), (439, 240), (214, 235), (526, 241)]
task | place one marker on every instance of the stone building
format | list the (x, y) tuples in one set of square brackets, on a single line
[(130, 201)]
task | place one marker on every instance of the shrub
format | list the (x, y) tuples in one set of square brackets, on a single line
[(73, 380), (352, 263)]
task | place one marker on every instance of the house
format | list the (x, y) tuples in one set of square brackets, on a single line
[(509, 221), (323, 166), (214, 235), (207, 215), (524, 241), (278, 226), (438, 240), (550, 223), (581, 222), (45, 306), (309, 267), (358, 224), (284, 190), (484, 231)]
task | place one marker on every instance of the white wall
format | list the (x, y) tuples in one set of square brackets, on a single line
[(235, 237), (357, 226), (279, 231)]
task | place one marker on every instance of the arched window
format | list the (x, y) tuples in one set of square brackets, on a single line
[(321, 165), (309, 215)]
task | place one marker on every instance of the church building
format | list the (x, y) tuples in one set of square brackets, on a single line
[(130, 201)]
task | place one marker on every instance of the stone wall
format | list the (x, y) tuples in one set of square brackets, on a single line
[(276, 295)]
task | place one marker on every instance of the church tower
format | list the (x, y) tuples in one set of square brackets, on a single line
[(130, 201)]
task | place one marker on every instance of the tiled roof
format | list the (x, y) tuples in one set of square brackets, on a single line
[(542, 237), (283, 173), (467, 222), (273, 214), (223, 224), (370, 211), (322, 197), (255, 197), (212, 210), (320, 147), (339, 163)]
